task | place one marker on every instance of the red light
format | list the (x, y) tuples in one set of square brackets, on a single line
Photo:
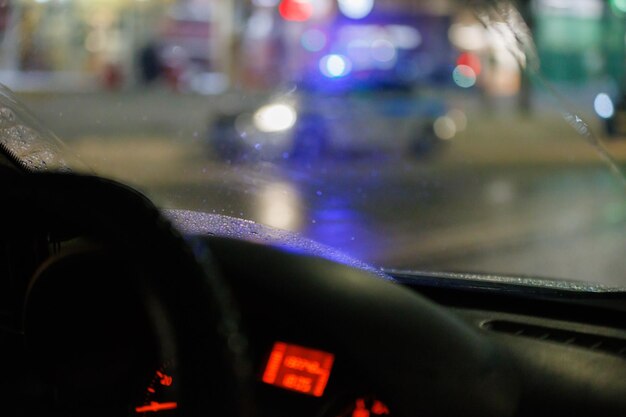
[(296, 10), (379, 408), (164, 379), (155, 406), (360, 410), (470, 60), (298, 368)]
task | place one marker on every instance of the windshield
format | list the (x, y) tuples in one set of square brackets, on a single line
[(481, 137)]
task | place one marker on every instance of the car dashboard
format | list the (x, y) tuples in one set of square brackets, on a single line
[(326, 336)]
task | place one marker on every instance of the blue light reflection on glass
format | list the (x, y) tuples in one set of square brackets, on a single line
[(337, 223)]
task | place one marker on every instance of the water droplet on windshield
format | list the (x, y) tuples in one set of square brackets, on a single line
[(7, 117)]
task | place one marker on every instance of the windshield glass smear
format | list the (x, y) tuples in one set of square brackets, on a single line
[(473, 137)]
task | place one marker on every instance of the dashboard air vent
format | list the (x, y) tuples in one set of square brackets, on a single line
[(612, 345)]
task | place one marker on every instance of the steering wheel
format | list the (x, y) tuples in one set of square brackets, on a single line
[(428, 361), (190, 306)]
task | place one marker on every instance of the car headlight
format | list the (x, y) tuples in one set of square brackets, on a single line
[(275, 117)]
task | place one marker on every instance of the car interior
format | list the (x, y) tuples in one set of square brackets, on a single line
[(111, 307)]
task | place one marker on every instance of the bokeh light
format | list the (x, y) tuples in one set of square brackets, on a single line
[(260, 25), (469, 37), (383, 51), (464, 76), (296, 10), (313, 40), (603, 105), (444, 128), (275, 117), (471, 60), (335, 66), (355, 9)]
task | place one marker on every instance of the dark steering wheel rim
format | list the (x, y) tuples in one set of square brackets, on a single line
[(191, 298)]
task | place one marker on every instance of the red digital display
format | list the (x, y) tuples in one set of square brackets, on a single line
[(298, 368)]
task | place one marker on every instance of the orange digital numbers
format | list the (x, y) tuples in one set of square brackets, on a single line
[(298, 368)]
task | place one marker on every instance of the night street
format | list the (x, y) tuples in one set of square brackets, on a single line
[(532, 202), (323, 208)]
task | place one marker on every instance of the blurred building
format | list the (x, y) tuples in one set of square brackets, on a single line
[(207, 46), (582, 40), (90, 44)]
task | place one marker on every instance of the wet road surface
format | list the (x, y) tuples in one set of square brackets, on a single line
[(527, 201)]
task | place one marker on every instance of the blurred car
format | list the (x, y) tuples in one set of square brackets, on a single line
[(308, 126), (356, 82)]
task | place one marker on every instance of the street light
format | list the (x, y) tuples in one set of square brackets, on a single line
[(296, 10), (355, 9)]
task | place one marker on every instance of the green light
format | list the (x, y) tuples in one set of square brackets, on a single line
[(619, 5)]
